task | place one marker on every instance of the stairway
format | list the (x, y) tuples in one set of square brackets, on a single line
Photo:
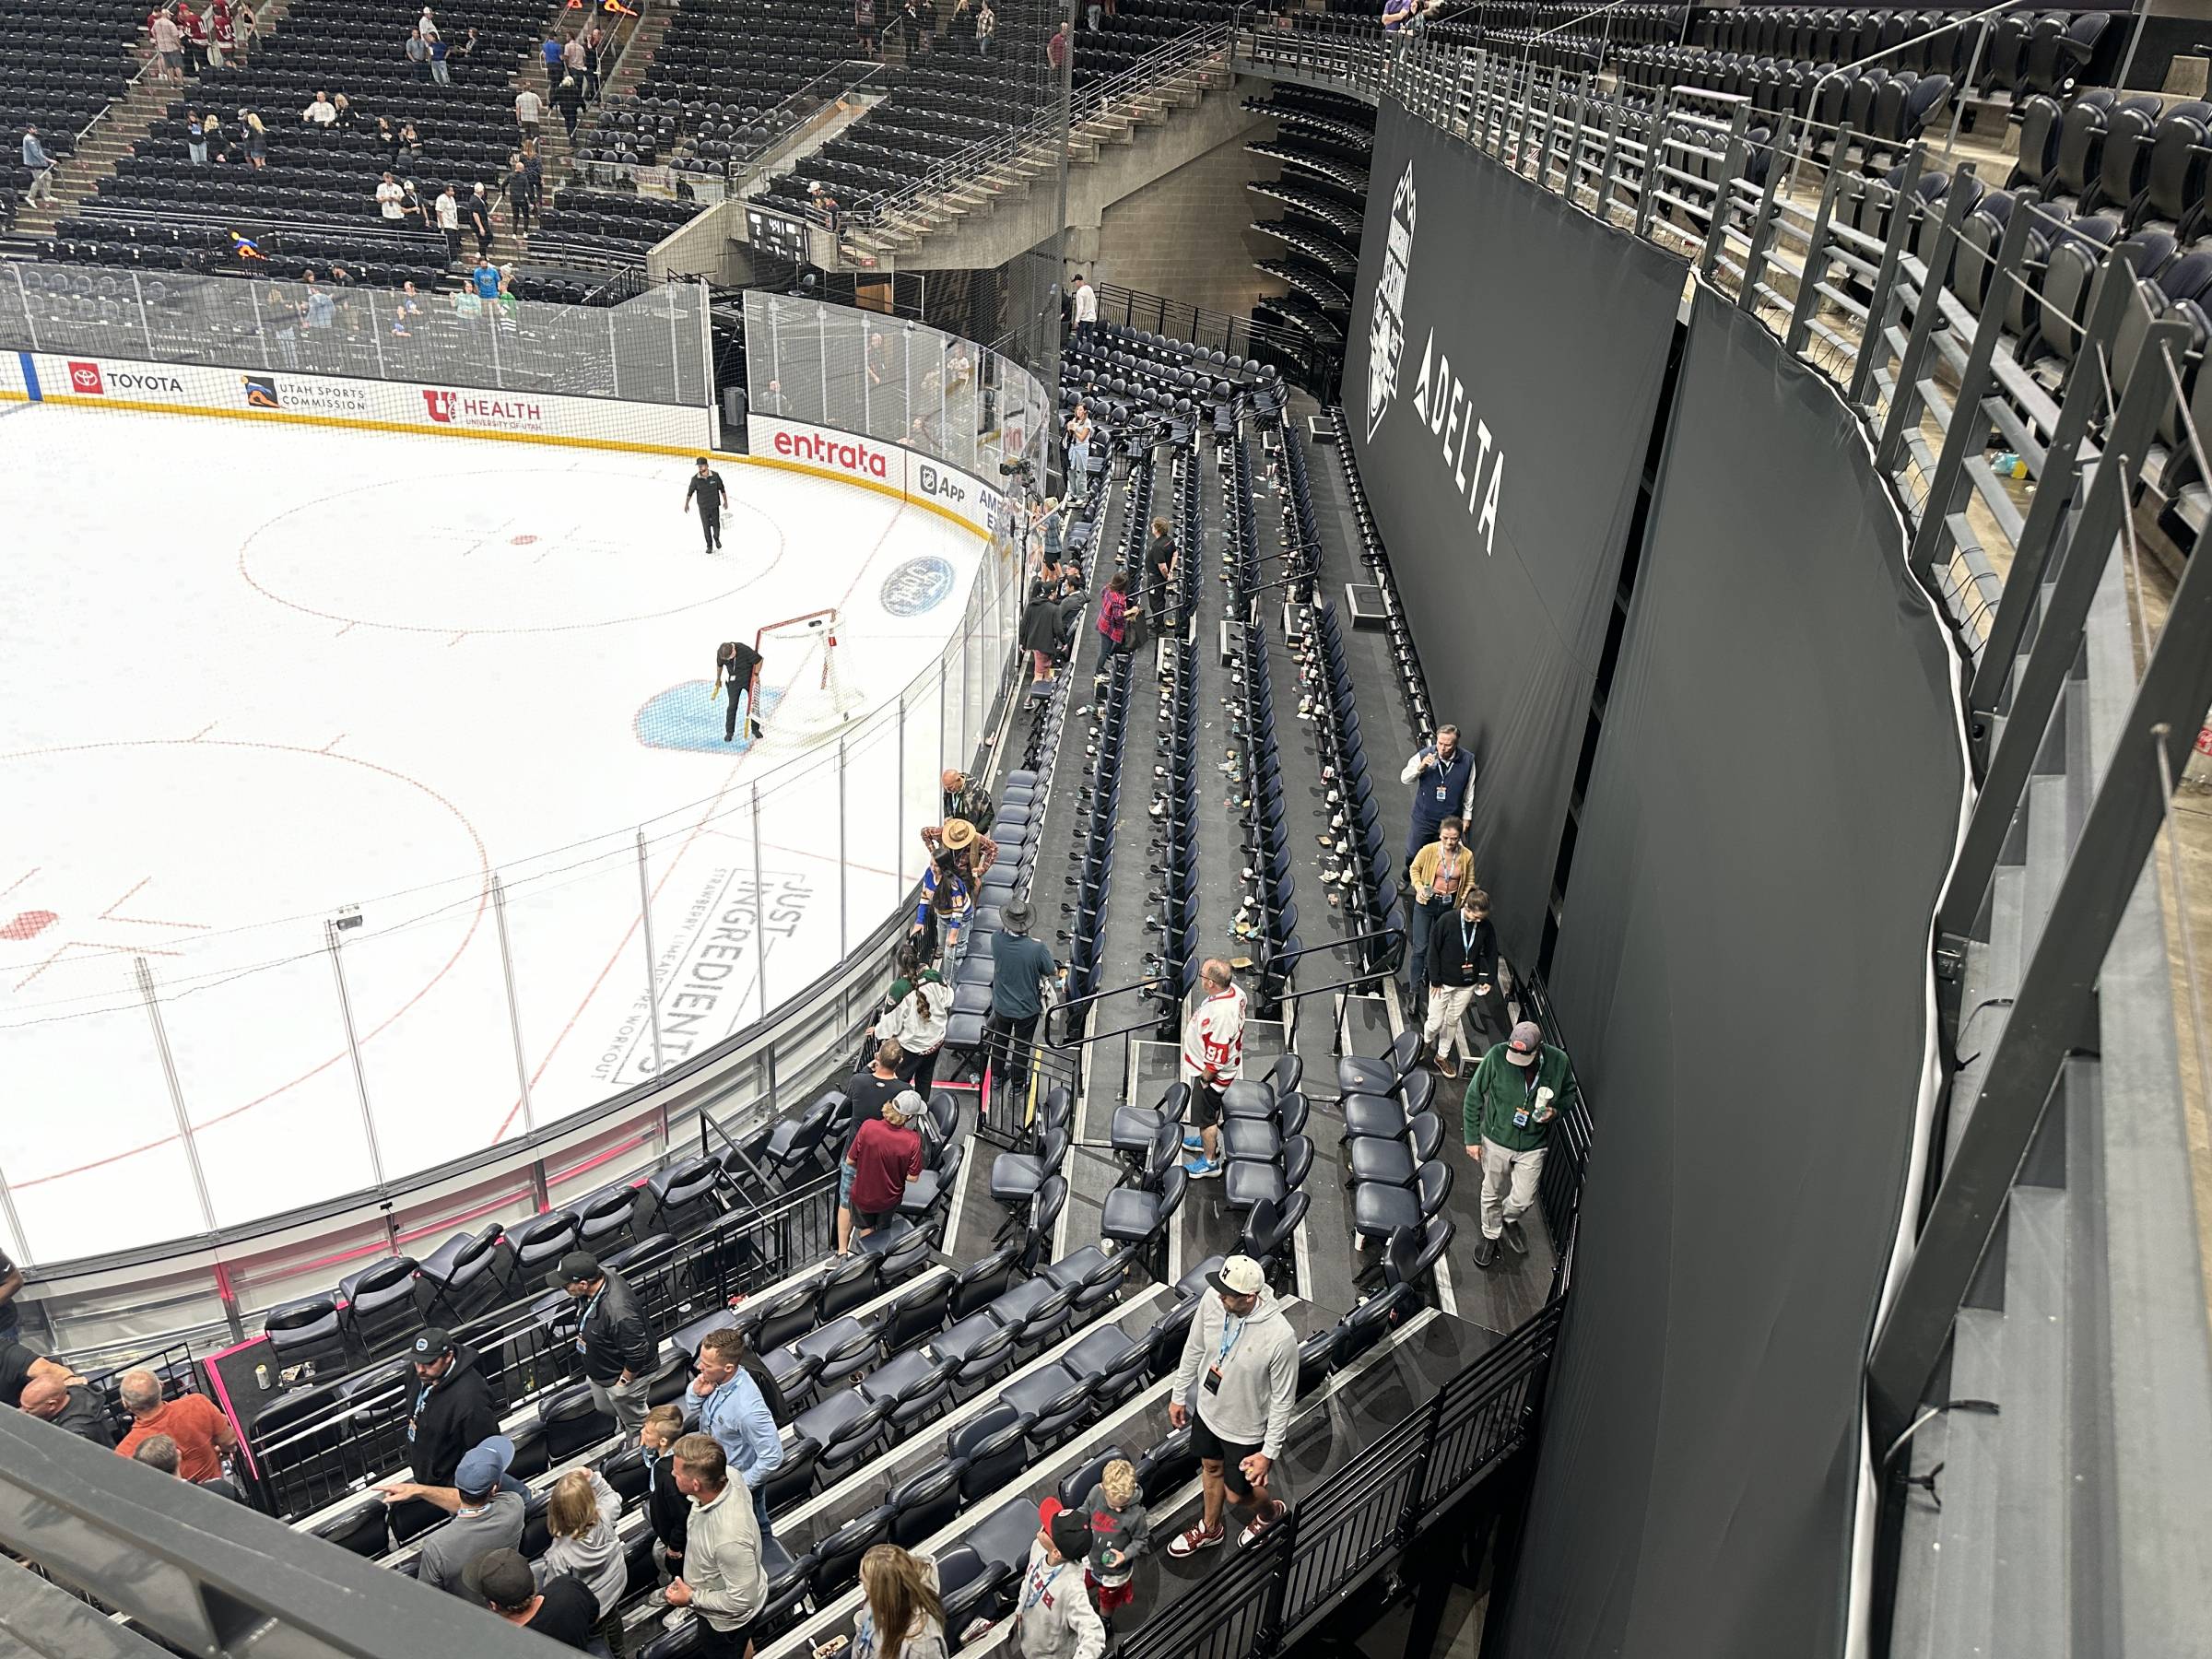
[(117, 132), (1011, 205), (553, 138)]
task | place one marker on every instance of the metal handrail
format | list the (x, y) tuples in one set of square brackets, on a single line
[(963, 164)]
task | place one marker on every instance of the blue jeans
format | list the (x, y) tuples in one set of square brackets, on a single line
[(760, 1510)]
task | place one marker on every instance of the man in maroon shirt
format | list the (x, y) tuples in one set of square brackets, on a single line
[(884, 1155)]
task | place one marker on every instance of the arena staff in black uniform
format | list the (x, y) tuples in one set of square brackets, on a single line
[(737, 670), (710, 493)]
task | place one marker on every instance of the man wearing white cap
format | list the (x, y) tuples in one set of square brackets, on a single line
[(1243, 1356), (1514, 1096)]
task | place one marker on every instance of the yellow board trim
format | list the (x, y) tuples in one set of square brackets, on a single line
[(412, 429)]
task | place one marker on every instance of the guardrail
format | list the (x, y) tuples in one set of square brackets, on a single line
[(1266, 1599), (1087, 102)]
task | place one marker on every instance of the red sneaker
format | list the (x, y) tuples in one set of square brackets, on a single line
[(1189, 1543)]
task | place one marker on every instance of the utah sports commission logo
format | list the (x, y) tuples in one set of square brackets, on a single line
[(918, 585), (261, 393), (1386, 328)]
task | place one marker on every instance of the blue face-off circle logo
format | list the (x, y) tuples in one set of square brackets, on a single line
[(918, 585)]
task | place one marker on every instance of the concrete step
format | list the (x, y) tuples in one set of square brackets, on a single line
[(2034, 1447), (1953, 1559)]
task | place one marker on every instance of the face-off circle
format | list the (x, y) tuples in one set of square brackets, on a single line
[(509, 550)]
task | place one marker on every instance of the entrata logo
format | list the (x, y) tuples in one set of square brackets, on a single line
[(940, 484), (834, 450), (84, 379), (1387, 327)]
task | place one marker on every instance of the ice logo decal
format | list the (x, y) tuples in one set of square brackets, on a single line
[(918, 585), (1386, 328)]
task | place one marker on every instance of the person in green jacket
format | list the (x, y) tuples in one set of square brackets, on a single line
[(1519, 1090)]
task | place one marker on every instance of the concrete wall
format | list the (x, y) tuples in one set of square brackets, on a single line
[(1184, 235), (1020, 222)]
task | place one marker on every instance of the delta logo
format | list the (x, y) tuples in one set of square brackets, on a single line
[(833, 450), (489, 414), (88, 380)]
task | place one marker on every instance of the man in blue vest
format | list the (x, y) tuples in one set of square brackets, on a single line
[(1440, 776)]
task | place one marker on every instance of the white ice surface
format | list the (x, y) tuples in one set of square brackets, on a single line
[(256, 673)]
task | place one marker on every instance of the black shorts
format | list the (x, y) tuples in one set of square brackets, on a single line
[(1205, 1444), (1206, 1105), (721, 1644), (869, 1220)]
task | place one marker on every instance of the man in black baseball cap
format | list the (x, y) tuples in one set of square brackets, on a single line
[(449, 1410), (566, 1610), (1020, 968), (618, 1346)]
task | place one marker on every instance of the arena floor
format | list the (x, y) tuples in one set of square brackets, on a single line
[(255, 675)]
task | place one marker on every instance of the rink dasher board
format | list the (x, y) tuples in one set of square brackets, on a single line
[(414, 407)]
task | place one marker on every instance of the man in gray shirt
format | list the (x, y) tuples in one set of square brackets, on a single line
[(484, 1517)]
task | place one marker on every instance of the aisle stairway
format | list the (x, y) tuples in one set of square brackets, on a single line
[(122, 125)]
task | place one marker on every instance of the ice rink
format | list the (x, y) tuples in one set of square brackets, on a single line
[(257, 674)]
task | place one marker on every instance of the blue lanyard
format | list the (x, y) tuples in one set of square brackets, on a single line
[(584, 1319), (421, 1395), (1036, 1591), (1467, 930), (1229, 1340)]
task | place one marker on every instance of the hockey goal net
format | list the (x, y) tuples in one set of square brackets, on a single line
[(803, 661)]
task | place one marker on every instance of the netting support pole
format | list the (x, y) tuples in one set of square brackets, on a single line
[(841, 848), (353, 1046), (614, 353), (145, 333), (652, 994), (515, 1008), (144, 977), (760, 938), (898, 845), (30, 322)]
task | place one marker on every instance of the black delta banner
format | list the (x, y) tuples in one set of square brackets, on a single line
[(1742, 979), (1507, 358)]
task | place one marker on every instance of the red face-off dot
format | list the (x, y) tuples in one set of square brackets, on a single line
[(28, 924), (520, 541)]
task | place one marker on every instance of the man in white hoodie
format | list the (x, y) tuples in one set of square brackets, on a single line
[(1243, 1356)]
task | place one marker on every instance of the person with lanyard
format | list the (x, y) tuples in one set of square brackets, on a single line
[(616, 1344), (737, 676), (1463, 966), (1440, 774), (1054, 1618), (485, 1514), (1440, 872), (1516, 1094), (734, 1412), (449, 1413), (712, 494), (1235, 1389)]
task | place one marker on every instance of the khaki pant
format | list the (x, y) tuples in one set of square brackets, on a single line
[(1447, 1005), (1509, 1185), (627, 1402)]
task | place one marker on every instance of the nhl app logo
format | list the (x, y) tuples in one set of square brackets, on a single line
[(1386, 328)]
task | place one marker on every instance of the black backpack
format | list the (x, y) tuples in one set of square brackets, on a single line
[(770, 1395)]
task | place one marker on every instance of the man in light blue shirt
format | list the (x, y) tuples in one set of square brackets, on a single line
[(732, 1409), (41, 166)]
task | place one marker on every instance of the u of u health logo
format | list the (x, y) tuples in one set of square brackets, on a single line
[(465, 408)]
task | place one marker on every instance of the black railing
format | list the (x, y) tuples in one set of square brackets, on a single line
[(1566, 1149), (1303, 360), (354, 1430), (1266, 1599)]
